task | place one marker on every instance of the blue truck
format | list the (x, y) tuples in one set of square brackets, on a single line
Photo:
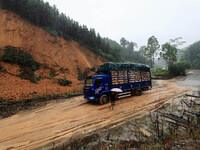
[(131, 78)]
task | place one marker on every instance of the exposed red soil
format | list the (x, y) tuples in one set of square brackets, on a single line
[(54, 53)]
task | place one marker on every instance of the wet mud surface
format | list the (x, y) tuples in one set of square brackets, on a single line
[(60, 122), (191, 80)]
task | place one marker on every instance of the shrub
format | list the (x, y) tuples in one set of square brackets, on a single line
[(12, 54), (51, 31), (53, 73), (27, 73), (82, 76), (93, 69), (38, 78), (64, 82), (179, 68), (160, 72), (26, 61)]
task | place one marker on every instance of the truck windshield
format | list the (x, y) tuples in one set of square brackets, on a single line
[(98, 82), (89, 82)]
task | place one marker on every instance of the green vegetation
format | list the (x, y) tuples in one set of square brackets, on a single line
[(192, 55), (179, 68), (160, 72), (93, 69), (52, 73), (129, 53), (82, 76), (26, 61), (14, 55), (151, 49), (40, 13), (168, 53), (28, 73), (52, 32), (64, 82)]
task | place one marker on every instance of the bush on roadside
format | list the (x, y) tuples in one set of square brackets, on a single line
[(64, 82), (160, 72), (179, 68)]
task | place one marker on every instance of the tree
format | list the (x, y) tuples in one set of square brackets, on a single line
[(151, 49), (168, 53), (142, 50), (192, 55), (131, 46), (176, 42), (123, 42)]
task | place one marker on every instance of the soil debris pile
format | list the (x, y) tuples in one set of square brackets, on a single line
[(59, 60)]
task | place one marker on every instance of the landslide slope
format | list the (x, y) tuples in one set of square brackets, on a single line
[(63, 58)]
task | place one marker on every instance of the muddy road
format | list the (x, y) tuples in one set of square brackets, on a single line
[(60, 122), (191, 80)]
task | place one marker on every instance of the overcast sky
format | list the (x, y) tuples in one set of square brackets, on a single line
[(137, 20)]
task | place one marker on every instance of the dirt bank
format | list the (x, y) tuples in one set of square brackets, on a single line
[(53, 53), (58, 123)]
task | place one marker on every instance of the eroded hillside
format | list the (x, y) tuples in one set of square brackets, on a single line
[(56, 55)]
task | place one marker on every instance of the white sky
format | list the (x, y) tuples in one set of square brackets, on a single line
[(137, 20)]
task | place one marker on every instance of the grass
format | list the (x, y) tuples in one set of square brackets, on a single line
[(160, 72)]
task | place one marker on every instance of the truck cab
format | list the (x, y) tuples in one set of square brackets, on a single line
[(95, 87)]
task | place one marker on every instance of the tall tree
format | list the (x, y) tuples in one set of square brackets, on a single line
[(168, 53), (151, 49), (131, 46), (177, 42), (123, 42), (192, 55), (142, 50)]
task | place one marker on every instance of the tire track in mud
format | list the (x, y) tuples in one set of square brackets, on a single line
[(58, 123)]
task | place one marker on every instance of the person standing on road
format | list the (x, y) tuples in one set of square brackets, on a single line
[(113, 98)]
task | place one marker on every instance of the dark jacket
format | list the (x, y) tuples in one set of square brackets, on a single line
[(113, 97)]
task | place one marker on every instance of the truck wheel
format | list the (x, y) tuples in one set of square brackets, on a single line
[(104, 99), (139, 92)]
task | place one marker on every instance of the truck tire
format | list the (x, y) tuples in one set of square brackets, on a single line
[(104, 99), (139, 92)]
